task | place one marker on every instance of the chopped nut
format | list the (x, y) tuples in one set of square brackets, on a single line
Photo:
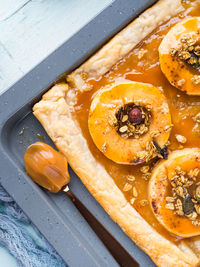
[(179, 204), (144, 169), (181, 139), (123, 129), (196, 172), (195, 79), (193, 60), (192, 216), (112, 121), (173, 184), (184, 55), (142, 154), (181, 82), (173, 52), (193, 173), (127, 187), (169, 206), (196, 223), (135, 193), (197, 50), (178, 169), (179, 212), (170, 199), (125, 136), (194, 201), (149, 107), (131, 178), (124, 118), (179, 191)]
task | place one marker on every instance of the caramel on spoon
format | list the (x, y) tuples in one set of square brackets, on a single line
[(49, 168)]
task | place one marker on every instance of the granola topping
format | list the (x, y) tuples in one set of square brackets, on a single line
[(132, 121), (189, 52), (181, 139), (185, 199)]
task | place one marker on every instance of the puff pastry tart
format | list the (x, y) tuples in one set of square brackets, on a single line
[(129, 126)]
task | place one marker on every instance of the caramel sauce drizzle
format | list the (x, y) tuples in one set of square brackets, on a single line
[(182, 107)]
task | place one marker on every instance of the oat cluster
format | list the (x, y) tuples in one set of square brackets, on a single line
[(149, 152), (185, 199)]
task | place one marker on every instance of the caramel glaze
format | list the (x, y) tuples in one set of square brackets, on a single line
[(182, 107)]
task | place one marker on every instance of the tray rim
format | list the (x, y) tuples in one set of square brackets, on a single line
[(124, 11)]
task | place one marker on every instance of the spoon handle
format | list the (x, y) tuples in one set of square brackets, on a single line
[(123, 258)]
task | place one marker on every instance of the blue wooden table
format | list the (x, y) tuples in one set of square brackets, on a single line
[(29, 31)]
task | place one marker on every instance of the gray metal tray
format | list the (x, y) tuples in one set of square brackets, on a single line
[(54, 215)]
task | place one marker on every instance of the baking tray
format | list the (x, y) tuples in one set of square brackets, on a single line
[(54, 215)]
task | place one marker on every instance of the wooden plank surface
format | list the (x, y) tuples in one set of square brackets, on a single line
[(29, 31)]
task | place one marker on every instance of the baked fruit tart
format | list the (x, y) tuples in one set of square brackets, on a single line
[(124, 116), (128, 122)]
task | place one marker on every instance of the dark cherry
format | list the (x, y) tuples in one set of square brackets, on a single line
[(135, 115)]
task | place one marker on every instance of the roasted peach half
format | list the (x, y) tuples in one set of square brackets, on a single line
[(179, 55), (174, 192), (130, 122)]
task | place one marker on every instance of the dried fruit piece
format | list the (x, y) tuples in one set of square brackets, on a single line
[(188, 205), (135, 115)]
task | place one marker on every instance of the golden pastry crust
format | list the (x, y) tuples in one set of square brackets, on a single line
[(123, 42), (55, 112)]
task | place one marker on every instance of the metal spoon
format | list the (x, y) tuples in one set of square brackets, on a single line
[(48, 168)]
